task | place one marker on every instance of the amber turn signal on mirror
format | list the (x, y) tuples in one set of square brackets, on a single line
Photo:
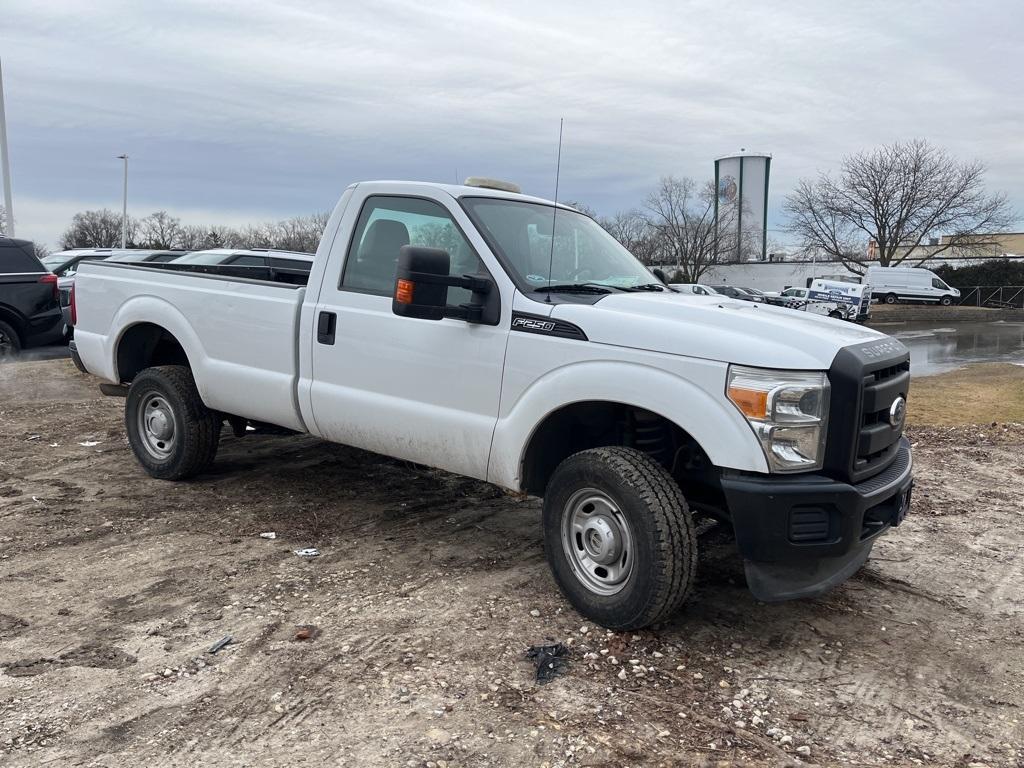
[(404, 290)]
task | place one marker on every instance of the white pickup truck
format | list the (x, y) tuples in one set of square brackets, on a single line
[(509, 339)]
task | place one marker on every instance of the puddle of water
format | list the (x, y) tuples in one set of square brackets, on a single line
[(946, 348)]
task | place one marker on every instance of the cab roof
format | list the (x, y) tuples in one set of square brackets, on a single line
[(462, 190)]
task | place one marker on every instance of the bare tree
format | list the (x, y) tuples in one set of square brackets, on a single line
[(160, 230), (583, 208), (683, 214), (898, 197), (635, 232), (97, 229)]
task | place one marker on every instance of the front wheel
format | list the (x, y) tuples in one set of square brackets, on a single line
[(619, 537), (171, 432), (946, 301)]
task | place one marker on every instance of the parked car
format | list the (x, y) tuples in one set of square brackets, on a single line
[(893, 284), (139, 256), (64, 264), (29, 307), (735, 292), (246, 257), (548, 365), (695, 289)]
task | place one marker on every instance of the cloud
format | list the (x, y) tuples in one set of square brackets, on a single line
[(274, 107)]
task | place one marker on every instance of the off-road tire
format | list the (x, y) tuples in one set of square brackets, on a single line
[(891, 298), (665, 542), (197, 428), (10, 343)]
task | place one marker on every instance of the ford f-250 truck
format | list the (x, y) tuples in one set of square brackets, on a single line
[(510, 339)]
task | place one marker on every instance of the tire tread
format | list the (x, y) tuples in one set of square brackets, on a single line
[(201, 432), (675, 533)]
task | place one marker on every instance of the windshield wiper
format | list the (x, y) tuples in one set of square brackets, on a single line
[(647, 287), (574, 288)]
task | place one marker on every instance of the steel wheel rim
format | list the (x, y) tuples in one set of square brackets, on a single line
[(158, 428), (597, 541)]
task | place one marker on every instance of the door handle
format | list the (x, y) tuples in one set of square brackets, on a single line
[(325, 326)]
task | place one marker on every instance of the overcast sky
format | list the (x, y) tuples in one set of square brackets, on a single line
[(242, 111)]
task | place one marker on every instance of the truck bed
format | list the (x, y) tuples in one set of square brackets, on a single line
[(239, 327)]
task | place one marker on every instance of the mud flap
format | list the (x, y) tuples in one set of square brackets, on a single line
[(775, 582)]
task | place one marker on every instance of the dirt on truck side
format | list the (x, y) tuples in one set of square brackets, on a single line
[(403, 642)]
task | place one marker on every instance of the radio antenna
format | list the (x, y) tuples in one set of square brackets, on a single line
[(554, 210)]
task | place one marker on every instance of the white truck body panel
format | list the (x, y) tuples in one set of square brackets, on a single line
[(240, 336), (458, 396), (715, 328), (545, 373)]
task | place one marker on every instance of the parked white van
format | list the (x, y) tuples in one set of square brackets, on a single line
[(893, 284)]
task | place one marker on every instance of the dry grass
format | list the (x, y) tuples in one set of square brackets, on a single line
[(977, 394)]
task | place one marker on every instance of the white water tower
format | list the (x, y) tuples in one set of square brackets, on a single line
[(741, 205)]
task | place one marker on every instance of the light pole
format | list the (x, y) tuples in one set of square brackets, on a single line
[(124, 209), (5, 161)]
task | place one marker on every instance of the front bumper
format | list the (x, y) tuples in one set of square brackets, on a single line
[(802, 535)]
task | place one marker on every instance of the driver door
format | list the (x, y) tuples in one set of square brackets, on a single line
[(422, 390)]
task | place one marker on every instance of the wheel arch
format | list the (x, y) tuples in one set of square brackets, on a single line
[(153, 332), (525, 451), (144, 345)]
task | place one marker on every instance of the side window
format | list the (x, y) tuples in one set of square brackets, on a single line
[(936, 283), (248, 261), (386, 224)]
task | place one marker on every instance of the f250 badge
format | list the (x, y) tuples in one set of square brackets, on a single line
[(529, 323)]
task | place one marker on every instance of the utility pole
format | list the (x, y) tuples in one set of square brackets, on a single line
[(5, 161), (124, 209)]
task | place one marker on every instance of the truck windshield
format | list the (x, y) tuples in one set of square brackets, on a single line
[(584, 254)]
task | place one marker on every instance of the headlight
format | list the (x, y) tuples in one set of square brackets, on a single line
[(788, 411)]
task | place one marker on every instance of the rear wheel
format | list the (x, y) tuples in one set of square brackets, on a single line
[(891, 298), (619, 537), (171, 432), (10, 342), (835, 313)]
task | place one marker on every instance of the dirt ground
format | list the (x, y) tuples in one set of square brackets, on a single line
[(428, 590), (981, 393)]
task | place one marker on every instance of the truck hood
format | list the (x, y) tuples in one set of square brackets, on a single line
[(715, 328)]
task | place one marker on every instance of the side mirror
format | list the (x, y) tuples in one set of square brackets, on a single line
[(421, 283), (421, 288)]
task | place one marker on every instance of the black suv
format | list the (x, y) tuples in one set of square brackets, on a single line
[(30, 313)]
